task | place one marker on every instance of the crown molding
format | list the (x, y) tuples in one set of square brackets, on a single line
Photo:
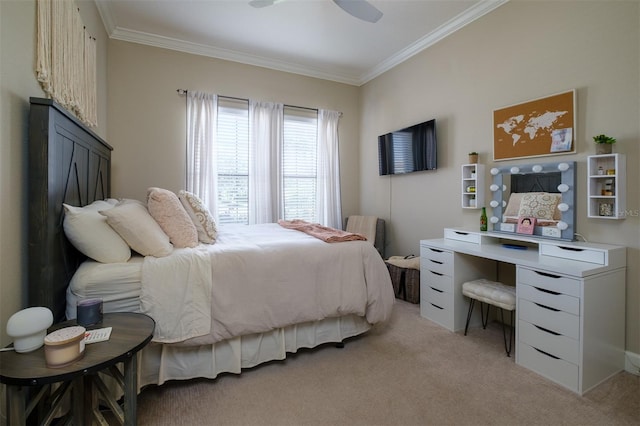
[(480, 9)]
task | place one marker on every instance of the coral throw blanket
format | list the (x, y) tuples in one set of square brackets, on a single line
[(324, 233)]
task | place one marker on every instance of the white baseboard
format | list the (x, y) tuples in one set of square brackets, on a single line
[(632, 363)]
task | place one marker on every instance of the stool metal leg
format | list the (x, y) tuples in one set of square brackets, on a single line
[(485, 318), (466, 326), (504, 333)]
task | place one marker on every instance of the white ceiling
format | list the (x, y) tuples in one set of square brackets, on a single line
[(309, 37)]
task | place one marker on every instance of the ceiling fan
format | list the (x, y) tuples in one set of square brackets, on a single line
[(360, 9)]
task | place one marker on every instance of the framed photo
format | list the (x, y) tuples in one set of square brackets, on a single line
[(544, 126), (526, 225)]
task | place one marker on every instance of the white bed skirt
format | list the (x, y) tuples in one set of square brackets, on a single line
[(158, 363)]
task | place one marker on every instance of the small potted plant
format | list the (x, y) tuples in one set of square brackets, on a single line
[(473, 157), (604, 144)]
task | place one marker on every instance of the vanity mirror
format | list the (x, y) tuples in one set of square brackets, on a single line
[(544, 191)]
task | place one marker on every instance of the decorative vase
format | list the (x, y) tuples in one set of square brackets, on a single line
[(604, 148), (473, 158)]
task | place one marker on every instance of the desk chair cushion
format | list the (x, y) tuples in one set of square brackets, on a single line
[(491, 292)]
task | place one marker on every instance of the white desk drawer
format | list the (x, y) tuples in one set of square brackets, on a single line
[(437, 266), (436, 254), (555, 369), (436, 280), (468, 237), (557, 321), (436, 296), (547, 281), (549, 298), (436, 313), (573, 253), (557, 345)]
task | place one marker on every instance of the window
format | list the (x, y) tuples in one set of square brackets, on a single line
[(299, 160), (233, 161), (298, 172)]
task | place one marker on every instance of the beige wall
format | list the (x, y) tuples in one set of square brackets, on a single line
[(17, 84), (147, 118), (521, 51)]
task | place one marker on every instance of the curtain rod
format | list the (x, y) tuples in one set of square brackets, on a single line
[(185, 91)]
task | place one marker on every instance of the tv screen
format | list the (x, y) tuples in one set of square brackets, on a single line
[(408, 150)]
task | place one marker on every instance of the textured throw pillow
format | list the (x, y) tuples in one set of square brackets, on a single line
[(540, 205), (165, 207), (200, 215), (134, 224), (90, 234)]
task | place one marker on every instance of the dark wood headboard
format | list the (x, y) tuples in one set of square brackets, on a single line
[(68, 163)]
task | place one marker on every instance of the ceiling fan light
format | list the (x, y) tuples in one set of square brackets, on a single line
[(360, 9)]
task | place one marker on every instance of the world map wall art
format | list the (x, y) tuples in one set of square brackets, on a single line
[(544, 126)]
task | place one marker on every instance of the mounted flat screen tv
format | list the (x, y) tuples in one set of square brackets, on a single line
[(408, 150)]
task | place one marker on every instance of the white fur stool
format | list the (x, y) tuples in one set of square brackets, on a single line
[(492, 293)]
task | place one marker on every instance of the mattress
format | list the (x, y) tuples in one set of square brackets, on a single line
[(117, 284)]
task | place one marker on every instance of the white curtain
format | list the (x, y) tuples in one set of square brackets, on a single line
[(266, 122), (328, 183), (202, 170)]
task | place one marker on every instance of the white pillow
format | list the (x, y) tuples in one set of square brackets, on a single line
[(132, 221), (89, 232), (165, 207), (201, 217)]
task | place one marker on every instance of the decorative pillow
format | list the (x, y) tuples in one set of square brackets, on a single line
[(540, 205), (165, 207), (89, 232), (200, 215), (134, 224), (513, 206)]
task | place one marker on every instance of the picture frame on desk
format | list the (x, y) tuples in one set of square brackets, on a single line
[(526, 225)]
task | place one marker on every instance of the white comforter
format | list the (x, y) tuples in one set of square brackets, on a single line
[(258, 278)]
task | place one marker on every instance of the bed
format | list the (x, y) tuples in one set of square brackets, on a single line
[(293, 309)]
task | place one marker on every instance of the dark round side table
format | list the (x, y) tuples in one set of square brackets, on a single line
[(26, 374)]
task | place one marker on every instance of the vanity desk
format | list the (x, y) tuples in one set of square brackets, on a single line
[(570, 298)]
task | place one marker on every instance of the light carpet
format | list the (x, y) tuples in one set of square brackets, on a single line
[(409, 371)]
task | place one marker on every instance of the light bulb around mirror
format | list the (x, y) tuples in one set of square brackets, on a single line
[(493, 203), (562, 225), (494, 219), (504, 204), (515, 170), (537, 168), (563, 167), (504, 188), (563, 207), (493, 187), (495, 171), (563, 187)]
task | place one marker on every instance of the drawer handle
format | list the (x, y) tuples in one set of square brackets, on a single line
[(436, 306), (435, 261), (436, 250), (461, 233), (548, 307), (544, 290), (436, 289), (546, 353), (436, 273), (546, 274), (571, 248), (546, 330)]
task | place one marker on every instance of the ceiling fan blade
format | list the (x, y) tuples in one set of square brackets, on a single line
[(261, 3), (360, 9)]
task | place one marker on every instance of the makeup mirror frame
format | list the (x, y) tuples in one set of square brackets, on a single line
[(498, 203)]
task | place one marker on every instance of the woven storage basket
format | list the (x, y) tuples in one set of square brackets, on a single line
[(406, 283)]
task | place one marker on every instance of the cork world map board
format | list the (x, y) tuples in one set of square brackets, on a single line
[(544, 126)]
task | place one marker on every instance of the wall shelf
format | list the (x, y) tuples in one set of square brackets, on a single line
[(472, 188), (606, 184)]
